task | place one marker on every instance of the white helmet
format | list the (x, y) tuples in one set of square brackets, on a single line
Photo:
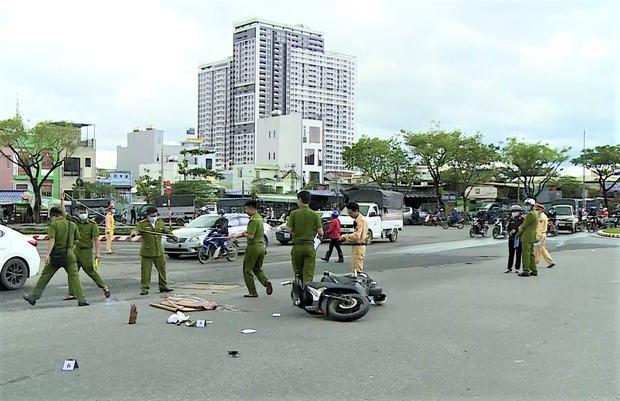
[(530, 201)]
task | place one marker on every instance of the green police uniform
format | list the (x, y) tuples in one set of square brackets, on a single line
[(527, 236), (152, 252), (254, 255), (89, 232), (58, 231), (304, 222)]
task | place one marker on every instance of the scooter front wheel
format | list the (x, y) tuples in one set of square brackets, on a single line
[(355, 307), (460, 226), (445, 225), (204, 256), (472, 232), (496, 232)]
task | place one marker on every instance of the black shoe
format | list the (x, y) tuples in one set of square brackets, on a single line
[(269, 287), (83, 303), (508, 271), (551, 265), (533, 274), (166, 289), (524, 274), (30, 301), (325, 259), (144, 292), (340, 261)]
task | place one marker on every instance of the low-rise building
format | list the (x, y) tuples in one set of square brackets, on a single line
[(119, 180)]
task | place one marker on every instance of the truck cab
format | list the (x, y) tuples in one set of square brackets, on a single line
[(383, 222), (566, 218)]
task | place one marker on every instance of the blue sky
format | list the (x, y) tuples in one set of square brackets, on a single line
[(542, 70)]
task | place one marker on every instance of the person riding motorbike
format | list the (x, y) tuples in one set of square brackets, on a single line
[(552, 215), (455, 216), (221, 224), (593, 212)]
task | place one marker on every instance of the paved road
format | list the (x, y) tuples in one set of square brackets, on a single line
[(455, 327)]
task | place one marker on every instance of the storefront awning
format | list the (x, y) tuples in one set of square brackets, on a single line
[(277, 198), (11, 196), (322, 192)]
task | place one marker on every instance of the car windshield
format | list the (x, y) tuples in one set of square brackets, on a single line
[(562, 210), (203, 222), (363, 210)]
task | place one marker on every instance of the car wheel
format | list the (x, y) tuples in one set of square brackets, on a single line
[(368, 238), (14, 274), (266, 240)]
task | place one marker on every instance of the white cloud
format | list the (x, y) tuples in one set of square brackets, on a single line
[(543, 70)]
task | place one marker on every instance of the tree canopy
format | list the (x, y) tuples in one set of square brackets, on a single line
[(434, 148), (383, 161), (204, 193), (37, 150), (196, 172), (570, 186), (92, 190), (148, 187), (532, 164), (604, 162)]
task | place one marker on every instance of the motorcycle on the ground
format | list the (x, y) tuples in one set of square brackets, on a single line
[(340, 302), (478, 228), (500, 228), (371, 288), (449, 223), (210, 249), (552, 228)]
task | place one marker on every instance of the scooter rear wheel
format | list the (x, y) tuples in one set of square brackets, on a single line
[(343, 311)]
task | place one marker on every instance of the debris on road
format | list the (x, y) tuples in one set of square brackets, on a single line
[(248, 331), (234, 354), (177, 318), (276, 315), (184, 303), (133, 314)]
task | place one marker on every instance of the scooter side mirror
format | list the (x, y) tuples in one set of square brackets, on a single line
[(286, 283)]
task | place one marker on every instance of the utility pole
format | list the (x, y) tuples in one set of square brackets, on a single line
[(161, 174), (583, 187)]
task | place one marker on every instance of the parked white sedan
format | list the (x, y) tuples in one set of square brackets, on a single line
[(19, 258), (191, 236)]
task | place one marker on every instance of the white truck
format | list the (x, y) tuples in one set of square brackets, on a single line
[(383, 210)]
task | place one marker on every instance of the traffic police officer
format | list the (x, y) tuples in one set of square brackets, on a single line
[(303, 223), (527, 238), (152, 250), (89, 233), (61, 233), (357, 238), (255, 252)]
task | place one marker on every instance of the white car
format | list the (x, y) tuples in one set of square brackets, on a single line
[(191, 236), (19, 258)]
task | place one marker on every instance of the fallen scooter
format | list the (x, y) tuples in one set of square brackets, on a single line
[(371, 288), (340, 302)]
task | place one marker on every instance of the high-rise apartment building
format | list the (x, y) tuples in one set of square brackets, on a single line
[(276, 67)]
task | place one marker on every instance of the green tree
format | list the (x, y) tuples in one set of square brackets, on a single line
[(147, 187), (472, 163), (262, 186), (383, 161), (570, 186), (49, 141), (604, 162), (434, 148), (311, 185), (532, 164), (92, 190), (203, 192), (196, 172)]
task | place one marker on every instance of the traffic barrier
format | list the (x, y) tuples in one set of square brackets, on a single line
[(128, 238)]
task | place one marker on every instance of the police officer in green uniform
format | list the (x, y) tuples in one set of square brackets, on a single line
[(303, 223), (527, 238), (61, 232), (255, 252), (84, 247), (152, 250)]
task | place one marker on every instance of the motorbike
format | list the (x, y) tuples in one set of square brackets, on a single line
[(432, 220), (449, 223), (552, 228), (211, 250), (478, 228), (371, 288), (500, 228), (340, 302)]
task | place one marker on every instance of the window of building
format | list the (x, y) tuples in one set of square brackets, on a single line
[(315, 135), (22, 187), (46, 188), (87, 162), (71, 167), (47, 162), (269, 155), (309, 157), (8, 163)]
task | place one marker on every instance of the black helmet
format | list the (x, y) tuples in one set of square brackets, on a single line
[(221, 211)]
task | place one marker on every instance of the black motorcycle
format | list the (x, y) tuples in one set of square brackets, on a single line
[(479, 228), (340, 302), (371, 288), (459, 224)]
